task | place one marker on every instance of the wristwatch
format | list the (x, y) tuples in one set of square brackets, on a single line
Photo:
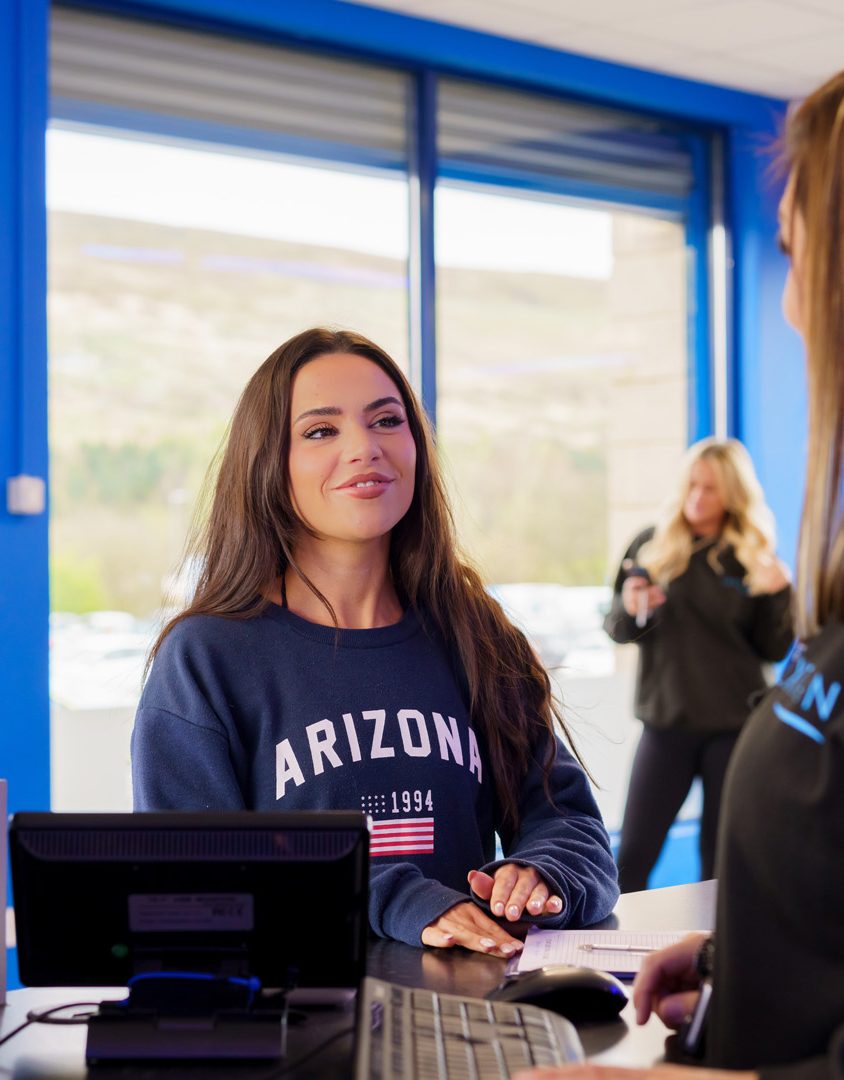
[(705, 959)]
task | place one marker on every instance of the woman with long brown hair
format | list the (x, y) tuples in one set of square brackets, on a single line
[(777, 958), (339, 653)]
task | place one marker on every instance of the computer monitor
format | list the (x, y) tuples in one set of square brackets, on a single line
[(100, 898)]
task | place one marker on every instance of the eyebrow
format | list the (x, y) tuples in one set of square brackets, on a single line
[(334, 410)]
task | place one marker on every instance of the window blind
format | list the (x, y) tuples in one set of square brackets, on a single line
[(160, 79), (488, 133)]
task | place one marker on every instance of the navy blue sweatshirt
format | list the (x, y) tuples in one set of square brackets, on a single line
[(276, 713)]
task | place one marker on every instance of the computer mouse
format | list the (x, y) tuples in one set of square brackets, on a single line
[(578, 993)]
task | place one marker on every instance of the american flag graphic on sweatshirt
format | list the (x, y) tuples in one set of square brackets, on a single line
[(401, 836)]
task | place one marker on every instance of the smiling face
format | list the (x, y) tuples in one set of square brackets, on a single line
[(704, 507), (352, 459)]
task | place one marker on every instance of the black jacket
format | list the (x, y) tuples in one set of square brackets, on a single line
[(702, 654), (778, 1002)]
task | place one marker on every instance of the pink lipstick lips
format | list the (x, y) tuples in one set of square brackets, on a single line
[(366, 485)]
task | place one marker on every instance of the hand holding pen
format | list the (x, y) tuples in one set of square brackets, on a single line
[(668, 982)]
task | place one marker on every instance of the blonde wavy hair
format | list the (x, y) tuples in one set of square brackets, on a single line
[(814, 152), (748, 522)]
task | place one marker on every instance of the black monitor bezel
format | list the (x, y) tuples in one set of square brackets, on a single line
[(323, 935)]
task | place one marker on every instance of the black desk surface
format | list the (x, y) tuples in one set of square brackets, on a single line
[(57, 1053)]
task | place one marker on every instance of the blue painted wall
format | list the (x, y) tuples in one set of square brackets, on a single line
[(24, 598), (767, 388)]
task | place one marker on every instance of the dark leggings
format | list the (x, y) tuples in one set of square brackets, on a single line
[(664, 767)]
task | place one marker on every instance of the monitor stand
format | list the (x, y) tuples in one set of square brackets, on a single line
[(196, 1022)]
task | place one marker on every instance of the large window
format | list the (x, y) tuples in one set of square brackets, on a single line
[(209, 197), (562, 286), (176, 265), (562, 390), (563, 361)]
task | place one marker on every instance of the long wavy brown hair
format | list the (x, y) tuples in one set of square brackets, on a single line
[(814, 152), (248, 538)]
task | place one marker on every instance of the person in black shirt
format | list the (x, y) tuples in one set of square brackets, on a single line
[(708, 603), (777, 960)]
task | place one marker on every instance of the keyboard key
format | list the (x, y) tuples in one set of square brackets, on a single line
[(429, 1036)]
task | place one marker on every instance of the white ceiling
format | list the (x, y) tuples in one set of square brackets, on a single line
[(782, 48)]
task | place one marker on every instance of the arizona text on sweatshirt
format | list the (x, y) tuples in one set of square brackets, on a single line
[(272, 712)]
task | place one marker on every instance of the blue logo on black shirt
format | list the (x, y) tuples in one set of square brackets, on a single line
[(805, 688)]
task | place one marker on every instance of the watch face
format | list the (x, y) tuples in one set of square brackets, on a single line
[(693, 1033)]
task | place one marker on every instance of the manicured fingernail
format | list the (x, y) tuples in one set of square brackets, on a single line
[(513, 911), (498, 908), (487, 943), (555, 902), (508, 950), (535, 905)]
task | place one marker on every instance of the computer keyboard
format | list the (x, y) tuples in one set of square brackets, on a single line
[(422, 1035)]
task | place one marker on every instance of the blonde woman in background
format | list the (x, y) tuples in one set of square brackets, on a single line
[(706, 600)]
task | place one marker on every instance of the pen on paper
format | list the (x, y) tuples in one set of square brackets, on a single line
[(589, 947)]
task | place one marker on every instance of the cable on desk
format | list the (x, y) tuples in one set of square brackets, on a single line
[(45, 1016), (14, 1031), (285, 1070)]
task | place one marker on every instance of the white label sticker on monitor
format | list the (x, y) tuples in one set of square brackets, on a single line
[(150, 912)]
